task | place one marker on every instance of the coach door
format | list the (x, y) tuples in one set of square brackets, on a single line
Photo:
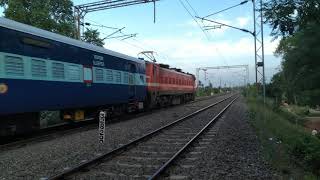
[(132, 87)]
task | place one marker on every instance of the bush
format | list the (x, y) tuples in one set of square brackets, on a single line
[(302, 148)]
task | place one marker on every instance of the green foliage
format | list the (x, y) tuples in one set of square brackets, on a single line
[(52, 15), (299, 79), (252, 91), (206, 91), (92, 36), (291, 146), (287, 17), (298, 22), (292, 117)]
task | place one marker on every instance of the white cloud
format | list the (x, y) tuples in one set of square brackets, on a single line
[(192, 52), (196, 48), (243, 21)]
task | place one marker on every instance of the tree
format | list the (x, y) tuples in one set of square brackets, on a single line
[(3, 3), (51, 15), (297, 22), (287, 17), (92, 36), (301, 65)]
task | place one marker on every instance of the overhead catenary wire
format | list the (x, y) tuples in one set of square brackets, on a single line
[(150, 48), (185, 5), (125, 40), (160, 53), (194, 11), (242, 3), (100, 25), (193, 17), (103, 26)]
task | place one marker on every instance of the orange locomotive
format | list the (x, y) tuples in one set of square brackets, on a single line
[(168, 86)]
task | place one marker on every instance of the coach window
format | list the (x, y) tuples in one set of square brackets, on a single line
[(118, 77), (14, 66), (58, 70), (38, 68), (109, 75), (126, 78), (75, 75), (99, 75)]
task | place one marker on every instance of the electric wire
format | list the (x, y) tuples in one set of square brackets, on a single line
[(195, 12), (126, 41), (184, 6), (242, 3)]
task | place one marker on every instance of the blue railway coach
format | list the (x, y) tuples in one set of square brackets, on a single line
[(40, 70)]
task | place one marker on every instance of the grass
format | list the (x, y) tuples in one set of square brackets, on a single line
[(314, 113), (292, 151), (293, 114)]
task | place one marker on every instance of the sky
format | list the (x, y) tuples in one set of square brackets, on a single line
[(179, 41)]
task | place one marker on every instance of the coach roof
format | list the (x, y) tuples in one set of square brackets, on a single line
[(10, 24)]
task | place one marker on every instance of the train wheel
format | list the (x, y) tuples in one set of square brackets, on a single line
[(19, 124)]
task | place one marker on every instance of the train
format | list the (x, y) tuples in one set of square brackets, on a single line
[(45, 71)]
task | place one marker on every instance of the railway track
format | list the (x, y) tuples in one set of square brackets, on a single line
[(67, 129), (147, 157), (45, 134)]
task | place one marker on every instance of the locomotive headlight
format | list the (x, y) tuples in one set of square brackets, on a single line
[(3, 88)]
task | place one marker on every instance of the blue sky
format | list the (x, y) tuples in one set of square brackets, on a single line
[(179, 41)]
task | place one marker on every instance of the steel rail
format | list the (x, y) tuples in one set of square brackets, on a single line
[(40, 135), (133, 142), (174, 157), (63, 128)]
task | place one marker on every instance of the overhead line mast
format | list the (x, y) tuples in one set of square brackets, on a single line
[(258, 35), (81, 10)]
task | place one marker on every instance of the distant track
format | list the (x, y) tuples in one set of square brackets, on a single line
[(162, 145)]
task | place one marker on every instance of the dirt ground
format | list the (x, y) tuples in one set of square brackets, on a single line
[(313, 123)]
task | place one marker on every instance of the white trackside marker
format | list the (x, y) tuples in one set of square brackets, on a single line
[(102, 126)]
